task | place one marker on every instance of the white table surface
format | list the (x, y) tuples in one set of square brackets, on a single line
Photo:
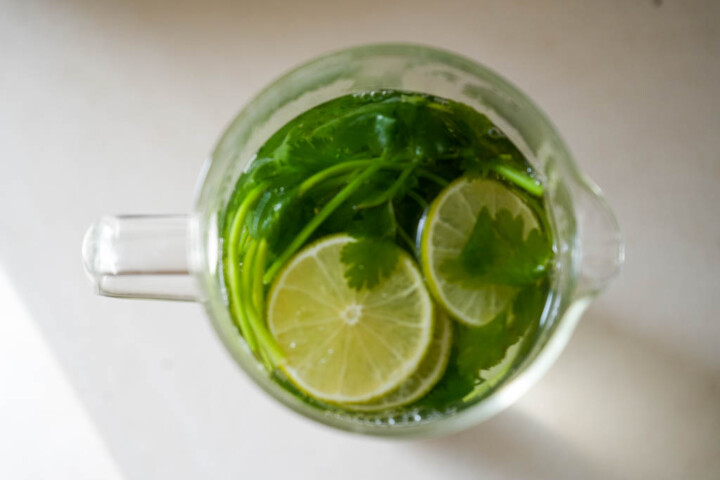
[(110, 107)]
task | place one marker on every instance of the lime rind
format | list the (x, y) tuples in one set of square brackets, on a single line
[(427, 375), (446, 230)]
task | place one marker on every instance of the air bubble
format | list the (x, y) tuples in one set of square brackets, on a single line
[(495, 132)]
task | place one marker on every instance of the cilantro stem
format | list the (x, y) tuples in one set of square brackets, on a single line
[(266, 360), (258, 295), (248, 264), (331, 171), (243, 320), (265, 340), (245, 285), (420, 200), (238, 236), (258, 270), (335, 182), (406, 238), (431, 176), (313, 224), (390, 192), (362, 110), (400, 181), (522, 180), (242, 212), (351, 165)]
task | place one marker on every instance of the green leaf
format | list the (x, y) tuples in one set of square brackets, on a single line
[(452, 387), (368, 261), (480, 348), (388, 185), (376, 222), (376, 190), (306, 153), (478, 162), (429, 133), (330, 149), (496, 253), (278, 216), (363, 132)]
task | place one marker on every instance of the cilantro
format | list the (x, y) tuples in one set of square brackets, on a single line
[(368, 261), (391, 186), (376, 222), (480, 348), (497, 253), (453, 386), (367, 165)]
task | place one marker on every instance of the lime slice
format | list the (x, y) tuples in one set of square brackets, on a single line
[(343, 345), (429, 372), (447, 228)]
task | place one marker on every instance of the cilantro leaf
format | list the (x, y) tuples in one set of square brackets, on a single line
[(453, 386), (497, 253), (278, 216), (376, 222), (368, 261), (387, 185), (480, 348)]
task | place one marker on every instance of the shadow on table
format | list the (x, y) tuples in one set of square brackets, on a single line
[(513, 446), (616, 405)]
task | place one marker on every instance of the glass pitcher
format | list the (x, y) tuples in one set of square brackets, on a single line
[(176, 257)]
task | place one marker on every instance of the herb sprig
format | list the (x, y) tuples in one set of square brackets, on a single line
[(363, 164), (498, 253), (479, 349)]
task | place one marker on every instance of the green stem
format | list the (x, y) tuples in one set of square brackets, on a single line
[(331, 171), (313, 224), (390, 192), (431, 176), (242, 243), (239, 313), (242, 296), (247, 271), (420, 200), (258, 270), (351, 165), (258, 292), (265, 338), (400, 181), (336, 182), (404, 235), (364, 109), (237, 237), (242, 212), (252, 301), (266, 360), (520, 179)]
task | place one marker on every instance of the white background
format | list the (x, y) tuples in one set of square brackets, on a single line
[(111, 107)]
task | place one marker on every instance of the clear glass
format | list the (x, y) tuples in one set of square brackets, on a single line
[(140, 256), (589, 246)]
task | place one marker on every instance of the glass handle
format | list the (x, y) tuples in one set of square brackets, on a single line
[(140, 256), (601, 251)]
